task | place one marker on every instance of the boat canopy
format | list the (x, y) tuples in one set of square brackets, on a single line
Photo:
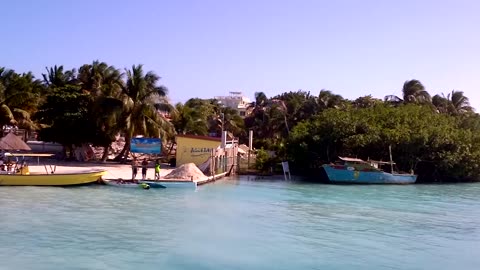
[(351, 159), (27, 155), (347, 159)]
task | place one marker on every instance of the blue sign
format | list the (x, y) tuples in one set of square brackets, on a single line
[(146, 145)]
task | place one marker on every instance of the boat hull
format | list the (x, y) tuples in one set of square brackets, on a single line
[(349, 175), (152, 183), (131, 184), (178, 184), (55, 179)]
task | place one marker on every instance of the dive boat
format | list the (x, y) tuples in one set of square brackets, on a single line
[(358, 171), (18, 174)]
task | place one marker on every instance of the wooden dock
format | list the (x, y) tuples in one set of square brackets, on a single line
[(211, 179)]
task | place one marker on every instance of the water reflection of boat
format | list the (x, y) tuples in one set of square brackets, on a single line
[(20, 175), (358, 171)]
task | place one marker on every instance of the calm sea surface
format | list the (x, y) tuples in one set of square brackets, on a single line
[(241, 224)]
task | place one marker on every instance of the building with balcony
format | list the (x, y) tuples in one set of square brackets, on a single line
[(237, 101)]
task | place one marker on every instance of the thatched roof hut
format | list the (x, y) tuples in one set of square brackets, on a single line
[(12, 142)]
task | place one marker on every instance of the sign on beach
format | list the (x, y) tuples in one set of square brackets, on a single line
[(146, 145)]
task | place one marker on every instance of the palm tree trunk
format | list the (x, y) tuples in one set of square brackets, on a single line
[(71, 154), (105, 153), (286, 124), (119, 157), (64, 152), (122, 156)]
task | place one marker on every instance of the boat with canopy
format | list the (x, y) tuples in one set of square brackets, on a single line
[(17, 173)]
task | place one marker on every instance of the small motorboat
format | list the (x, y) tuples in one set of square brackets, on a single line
[(18, 174), (132, 183)]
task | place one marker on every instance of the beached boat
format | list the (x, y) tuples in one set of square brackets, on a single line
[(358, 171), (132, 183), (18, 174)]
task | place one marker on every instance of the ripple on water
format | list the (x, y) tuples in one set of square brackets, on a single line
[(241, 225)]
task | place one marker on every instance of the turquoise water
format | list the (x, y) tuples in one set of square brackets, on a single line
[(241, 225)]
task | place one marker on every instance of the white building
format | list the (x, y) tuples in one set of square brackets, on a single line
[(236, 101)]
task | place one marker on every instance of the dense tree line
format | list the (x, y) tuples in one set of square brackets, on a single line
[(438, 138), (435, 136), (90, 105)]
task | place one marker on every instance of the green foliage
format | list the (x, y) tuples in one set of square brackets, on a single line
[(65, 115), (263, 161), (415, 133), (413, 92), (19, 98), (142, 98), (366, 102), (190, 119), (455, 103), (96, 103)]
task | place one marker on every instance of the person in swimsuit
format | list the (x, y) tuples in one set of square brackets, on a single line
[(144, 169), (134, 168)]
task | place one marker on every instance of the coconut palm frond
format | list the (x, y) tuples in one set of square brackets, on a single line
[(6, 116), (23, 120), (414, 92)]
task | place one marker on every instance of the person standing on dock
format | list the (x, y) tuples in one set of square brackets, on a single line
[(134, 168), (157, 169), (144, 168)]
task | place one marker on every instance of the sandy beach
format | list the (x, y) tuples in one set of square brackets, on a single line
[(114, 170)]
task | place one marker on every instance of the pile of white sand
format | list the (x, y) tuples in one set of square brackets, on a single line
[(186, 171)]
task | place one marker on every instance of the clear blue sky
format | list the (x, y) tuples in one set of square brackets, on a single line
[(210, 47)]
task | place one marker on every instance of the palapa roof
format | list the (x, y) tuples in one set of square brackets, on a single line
[(13, 142)]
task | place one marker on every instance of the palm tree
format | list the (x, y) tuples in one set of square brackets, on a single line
[(366, 102), (413, 92), (454, 103), (230, 120), (141, 97), (460, 102), (104, 83), (327, 99), (19, 98), (280, 105), (57, 77), (300, 105), (441, 103), (100, 79), (189, 120), (257, 119), (268, 118), (259, 104), (6, 115)]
